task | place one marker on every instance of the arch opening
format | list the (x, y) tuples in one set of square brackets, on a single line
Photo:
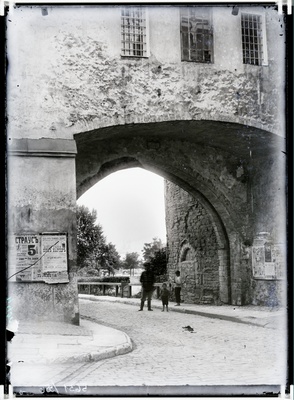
[(196, 288), (214, 162)]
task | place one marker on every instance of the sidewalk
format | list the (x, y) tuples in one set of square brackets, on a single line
[(58, 342), (253, 315)]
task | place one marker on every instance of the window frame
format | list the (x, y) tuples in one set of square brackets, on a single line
[(186, 12), (145, 50), (263, 40)]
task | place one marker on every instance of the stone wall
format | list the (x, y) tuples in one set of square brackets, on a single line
[(42, 199), (268, 195), (192, 246), (196, 125), (191, 226), (66, 74)]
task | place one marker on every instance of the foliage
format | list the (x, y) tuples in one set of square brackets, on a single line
[(88, 271), (90, 238), (150, 249), (93, 252), (131, 261), (110, 259), (158, 264)]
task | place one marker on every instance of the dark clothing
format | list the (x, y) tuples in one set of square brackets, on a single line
[(178, 295), (147, 280), (146, 294), (164, 296)]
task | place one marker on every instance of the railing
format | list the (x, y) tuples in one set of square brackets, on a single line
[(156, 285), (117, 285), (123, 286)]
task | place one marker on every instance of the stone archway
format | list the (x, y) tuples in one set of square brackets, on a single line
[(215, 162), (203, 254), (228, 168), (213, 169)]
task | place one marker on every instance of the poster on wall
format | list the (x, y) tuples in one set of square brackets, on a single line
[(38, 257), (258, 261), (267, 260), (54, 249), (278, 251), (25, 256)]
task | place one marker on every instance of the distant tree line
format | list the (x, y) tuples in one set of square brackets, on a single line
[(95, 254)]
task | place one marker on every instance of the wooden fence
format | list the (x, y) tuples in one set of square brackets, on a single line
[(121, 288)]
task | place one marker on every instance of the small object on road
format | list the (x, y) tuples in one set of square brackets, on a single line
[(188, 328)]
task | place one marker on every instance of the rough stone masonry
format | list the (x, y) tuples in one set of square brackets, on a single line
[(78, 110)]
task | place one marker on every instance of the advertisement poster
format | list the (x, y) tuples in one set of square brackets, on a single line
[(267, 261), (38, 257), (55, 258), (258, 261), (25, 253)]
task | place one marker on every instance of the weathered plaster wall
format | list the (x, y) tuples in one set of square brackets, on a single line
[(66, 74), (55, 302), (268, 293), (42, 198), (269, 213), (268, 195)]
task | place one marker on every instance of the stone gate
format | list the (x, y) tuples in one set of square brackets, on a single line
[(79, 109)]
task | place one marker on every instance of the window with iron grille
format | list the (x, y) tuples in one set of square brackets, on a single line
[(196, 34), (252, 40), (134, 31)]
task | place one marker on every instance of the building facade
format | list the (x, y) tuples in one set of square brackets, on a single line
[(195, 94)]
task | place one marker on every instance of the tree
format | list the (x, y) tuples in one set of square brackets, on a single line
[(110, 259), (150, 249), (131, 261), (90, 238), (158, 263), (93, 252)]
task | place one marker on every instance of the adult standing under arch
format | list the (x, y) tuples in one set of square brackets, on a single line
[(147, 280)]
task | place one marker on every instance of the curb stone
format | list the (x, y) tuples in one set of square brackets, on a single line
[(37, 349), (100, 354)]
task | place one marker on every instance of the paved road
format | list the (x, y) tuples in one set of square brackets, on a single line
[(216, 352)]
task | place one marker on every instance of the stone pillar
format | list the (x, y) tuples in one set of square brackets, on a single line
[(42, 201), (224, 282), (236, 273)]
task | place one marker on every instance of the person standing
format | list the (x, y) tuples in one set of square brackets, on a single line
[(164, 296), (178, 287), (147, 280)]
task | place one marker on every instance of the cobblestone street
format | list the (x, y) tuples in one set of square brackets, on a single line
[(216, 352)]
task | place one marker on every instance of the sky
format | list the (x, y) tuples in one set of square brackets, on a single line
[(130, 208)]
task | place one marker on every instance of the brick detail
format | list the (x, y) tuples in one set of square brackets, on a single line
[(193, 249)]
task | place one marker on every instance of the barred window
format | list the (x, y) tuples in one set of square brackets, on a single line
[(134, 32), (252, 40), (196, 34)]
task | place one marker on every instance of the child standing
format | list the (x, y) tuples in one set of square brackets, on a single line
[(164, 296), (178, 286)]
